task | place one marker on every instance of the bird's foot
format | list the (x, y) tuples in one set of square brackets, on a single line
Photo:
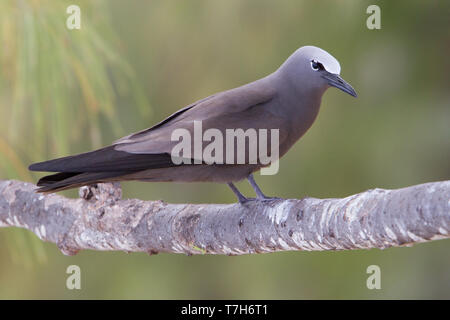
[(265, 198), (262, 199), (244, 200)]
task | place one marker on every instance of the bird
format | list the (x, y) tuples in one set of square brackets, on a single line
[(287, 100)]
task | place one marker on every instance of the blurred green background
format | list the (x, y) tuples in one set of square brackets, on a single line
[(134, 62)]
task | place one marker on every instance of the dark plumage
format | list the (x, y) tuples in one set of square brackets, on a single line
[(104, 164), (287, 100)]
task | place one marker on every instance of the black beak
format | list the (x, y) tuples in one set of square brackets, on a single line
[(335, 80)]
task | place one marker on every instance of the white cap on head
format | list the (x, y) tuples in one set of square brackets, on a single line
[(327, 60)]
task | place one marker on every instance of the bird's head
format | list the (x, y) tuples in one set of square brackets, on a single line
[(311, 68)]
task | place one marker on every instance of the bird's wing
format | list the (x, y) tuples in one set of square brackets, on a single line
[(244, 107), (151, 148), (104, 160), (141, 134)]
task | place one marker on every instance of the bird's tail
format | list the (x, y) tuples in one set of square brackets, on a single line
[(68, 180), (102, 165)]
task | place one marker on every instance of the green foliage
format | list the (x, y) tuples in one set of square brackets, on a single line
[(57, 84)]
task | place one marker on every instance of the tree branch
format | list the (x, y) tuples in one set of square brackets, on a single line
[(99, 220)]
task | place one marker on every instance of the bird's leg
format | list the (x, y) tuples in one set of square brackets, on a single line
[(259, 194), (238, 194)]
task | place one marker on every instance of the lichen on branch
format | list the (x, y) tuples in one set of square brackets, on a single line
[(101, 220)]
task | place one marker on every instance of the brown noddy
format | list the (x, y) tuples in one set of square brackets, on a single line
[(287, 100)]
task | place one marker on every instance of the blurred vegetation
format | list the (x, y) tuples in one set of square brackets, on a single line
[(56, 86), (66, 91)]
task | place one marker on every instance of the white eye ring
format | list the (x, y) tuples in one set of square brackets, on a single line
[(315, 65)]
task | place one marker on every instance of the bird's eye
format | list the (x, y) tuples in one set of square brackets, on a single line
[(316, 66)]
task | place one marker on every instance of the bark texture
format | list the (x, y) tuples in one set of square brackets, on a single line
[(100, 220)]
